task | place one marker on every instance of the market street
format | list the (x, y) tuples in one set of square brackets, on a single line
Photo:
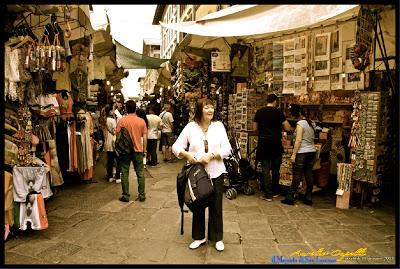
[(89, 225)]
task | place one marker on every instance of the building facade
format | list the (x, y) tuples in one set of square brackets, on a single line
[(151, 48), (172, 14)]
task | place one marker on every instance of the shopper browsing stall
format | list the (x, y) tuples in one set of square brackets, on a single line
[(154, 127), (269, 121), (167, 132), (109, 144), (303, 156), (208, 144)]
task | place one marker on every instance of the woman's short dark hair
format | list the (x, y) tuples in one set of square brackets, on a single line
[(295, 110), (271, 98), (198, 111), (130, 106)]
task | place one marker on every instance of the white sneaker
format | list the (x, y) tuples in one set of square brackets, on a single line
[(219, 246), (111, 179), (118, 181), (197, 243)]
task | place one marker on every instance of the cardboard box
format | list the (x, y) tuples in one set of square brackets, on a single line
[(343, 201)]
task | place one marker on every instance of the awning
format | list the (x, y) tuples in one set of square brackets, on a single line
[(248, 20), (129, 59), (164, 74)]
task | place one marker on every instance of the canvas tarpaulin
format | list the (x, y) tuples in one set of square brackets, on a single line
[(129, 59), (263, 19)]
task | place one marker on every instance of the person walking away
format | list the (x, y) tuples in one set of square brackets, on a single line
[(269, 121), (303, 156), (208, 144), (167, 135), (109, 145), (141, 113), (154, 128), (137, 130)]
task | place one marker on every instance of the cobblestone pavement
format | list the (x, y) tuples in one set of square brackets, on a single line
[(89, 225)]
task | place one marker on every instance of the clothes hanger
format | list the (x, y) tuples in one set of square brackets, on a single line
[(25, 40)]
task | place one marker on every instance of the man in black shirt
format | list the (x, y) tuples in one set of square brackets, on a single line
[(269, 121)]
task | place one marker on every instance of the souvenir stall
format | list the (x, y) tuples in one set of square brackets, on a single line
[(325, 62), (192, 79), (46, 123), (328, 70)]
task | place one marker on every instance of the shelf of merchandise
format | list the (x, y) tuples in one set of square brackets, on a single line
[(315, 104), (321, 122)]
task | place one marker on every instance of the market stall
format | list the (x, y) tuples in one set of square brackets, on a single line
[(323, 61), (52, 62)]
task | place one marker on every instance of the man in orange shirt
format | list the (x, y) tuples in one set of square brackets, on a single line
[(137, 130)]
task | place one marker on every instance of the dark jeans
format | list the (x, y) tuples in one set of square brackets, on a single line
[(111, 158), (215, 223), (270, 185), (125, 162), (152, 151), (303, 164)]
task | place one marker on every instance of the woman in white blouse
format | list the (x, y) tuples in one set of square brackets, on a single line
[(208, 144)]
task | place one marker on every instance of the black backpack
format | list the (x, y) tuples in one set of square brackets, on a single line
[(123, 143), (194, 188)]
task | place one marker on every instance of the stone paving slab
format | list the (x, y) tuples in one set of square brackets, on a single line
[(385, 249), (34, 247), (233, 254), (93, 256), (114, 206), (286, 233), (16, 258), (149, 250), (55, 254), (179, 253)]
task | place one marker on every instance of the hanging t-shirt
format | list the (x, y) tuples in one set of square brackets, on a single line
[(26, 179), (33, 212), (79, 85), (62, 79)]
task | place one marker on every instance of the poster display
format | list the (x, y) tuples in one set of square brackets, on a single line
[(289, 66), (322, 83), (336, 82), (322, 57), (277, 65), (336, 44), (354, 81), (263, 63), (336, 65), (322, 47), (220, 61)]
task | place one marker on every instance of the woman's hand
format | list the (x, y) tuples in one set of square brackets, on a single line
[(190, 158), (206, 158), (293, 158)]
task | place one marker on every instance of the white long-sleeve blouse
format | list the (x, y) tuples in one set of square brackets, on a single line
[(218, 143)]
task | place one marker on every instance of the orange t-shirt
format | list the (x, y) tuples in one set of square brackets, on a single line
[(136, 127)]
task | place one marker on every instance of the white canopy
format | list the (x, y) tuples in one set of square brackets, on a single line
[(245, 20)]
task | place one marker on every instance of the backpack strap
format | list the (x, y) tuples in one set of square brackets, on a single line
[(181, 221)]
